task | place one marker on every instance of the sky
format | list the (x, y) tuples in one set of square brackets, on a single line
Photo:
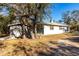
[(59, 8), (4, 12)]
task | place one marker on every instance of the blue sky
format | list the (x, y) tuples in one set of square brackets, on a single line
[(59, 8), (4, 11)]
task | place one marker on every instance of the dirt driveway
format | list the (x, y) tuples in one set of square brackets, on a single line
[(67, 47)]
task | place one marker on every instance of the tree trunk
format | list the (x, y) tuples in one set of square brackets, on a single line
[(23, 32), (32, 35), (35, 31)]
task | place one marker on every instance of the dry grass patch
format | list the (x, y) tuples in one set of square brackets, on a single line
[(29, 47)]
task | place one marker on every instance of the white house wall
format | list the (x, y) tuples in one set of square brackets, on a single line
[(56, 30)]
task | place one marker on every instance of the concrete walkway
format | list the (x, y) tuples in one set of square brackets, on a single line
[(5, 38)]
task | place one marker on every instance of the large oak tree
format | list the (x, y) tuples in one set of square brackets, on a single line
[(29, 14)]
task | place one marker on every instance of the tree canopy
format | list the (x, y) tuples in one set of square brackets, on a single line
[(72, 19), (29, 14)]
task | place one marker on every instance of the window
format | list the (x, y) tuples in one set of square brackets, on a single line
[(61, 28), (51, 27)]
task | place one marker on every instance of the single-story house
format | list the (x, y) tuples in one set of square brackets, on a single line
[(42, 28), (52, 28)]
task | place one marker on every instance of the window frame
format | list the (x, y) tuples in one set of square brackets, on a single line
[(51, 27)]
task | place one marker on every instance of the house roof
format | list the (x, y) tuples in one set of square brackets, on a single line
[(14, 23), (17, 22), (55, 24)]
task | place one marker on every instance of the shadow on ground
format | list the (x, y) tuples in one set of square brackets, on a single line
[(74, 39), (62, 50)]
